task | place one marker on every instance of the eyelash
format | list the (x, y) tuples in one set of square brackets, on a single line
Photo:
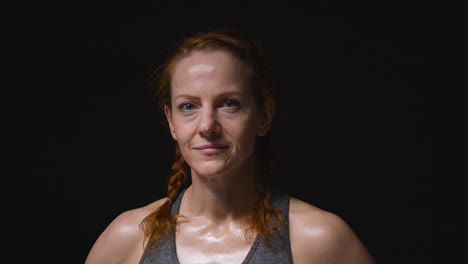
[(236, 102), (182, 106)]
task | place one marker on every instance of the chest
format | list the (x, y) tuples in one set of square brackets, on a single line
[(212, 245)]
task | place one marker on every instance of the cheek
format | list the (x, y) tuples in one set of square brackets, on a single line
[(244, 134), (183, 126)]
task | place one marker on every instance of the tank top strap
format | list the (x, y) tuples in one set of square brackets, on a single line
[(175, 205), (280, 201), (165, 251), (278, 251)]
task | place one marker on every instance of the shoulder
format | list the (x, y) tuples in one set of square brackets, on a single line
[(122, 239), (320, 236)]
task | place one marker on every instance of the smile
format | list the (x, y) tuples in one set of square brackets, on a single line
[(211, 149)]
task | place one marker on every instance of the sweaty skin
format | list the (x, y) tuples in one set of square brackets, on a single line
[(215, 121), (222, 112), (217, 242)]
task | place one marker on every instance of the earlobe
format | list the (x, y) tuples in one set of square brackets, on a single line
[(167, 112)]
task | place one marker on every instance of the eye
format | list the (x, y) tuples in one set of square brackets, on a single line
[(231, 103), (186, 106)]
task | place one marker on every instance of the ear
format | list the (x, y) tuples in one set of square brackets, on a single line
[(167, 111), (266, 117)]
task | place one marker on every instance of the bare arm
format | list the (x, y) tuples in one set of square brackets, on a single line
[(117, 243), (343, 244), (318, 236), (122, 241)]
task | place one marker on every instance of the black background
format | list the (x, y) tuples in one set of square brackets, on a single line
[(86, 142)]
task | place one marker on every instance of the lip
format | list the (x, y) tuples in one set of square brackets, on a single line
[(211, 149)]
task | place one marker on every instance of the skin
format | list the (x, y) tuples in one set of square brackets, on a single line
[(212, 104)]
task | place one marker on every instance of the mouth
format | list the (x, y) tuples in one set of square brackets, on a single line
[(211, 149)]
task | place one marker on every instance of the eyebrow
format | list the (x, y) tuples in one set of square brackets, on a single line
[(188, 96)]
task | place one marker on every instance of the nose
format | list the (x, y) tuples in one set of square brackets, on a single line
[(208, 126)]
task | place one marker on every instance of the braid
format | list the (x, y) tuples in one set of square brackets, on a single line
[(179, 175), (263, 214), (159, 224)]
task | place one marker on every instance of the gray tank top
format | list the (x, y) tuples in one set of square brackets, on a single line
[(278, 252)]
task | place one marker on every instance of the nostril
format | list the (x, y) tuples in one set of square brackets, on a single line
[(211, 131)]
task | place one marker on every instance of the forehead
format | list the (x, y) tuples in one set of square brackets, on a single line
[(202, 70)]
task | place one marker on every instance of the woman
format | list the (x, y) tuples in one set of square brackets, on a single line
[(215, 90)]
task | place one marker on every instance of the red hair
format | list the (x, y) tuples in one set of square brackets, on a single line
[(159, 224)]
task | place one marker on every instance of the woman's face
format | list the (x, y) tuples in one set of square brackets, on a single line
[(214, 117)]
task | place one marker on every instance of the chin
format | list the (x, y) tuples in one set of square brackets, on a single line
[(211, 169)]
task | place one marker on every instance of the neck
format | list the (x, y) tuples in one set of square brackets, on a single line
[(222, 197)]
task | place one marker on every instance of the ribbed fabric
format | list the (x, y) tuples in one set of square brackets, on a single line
[(278, 252)]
